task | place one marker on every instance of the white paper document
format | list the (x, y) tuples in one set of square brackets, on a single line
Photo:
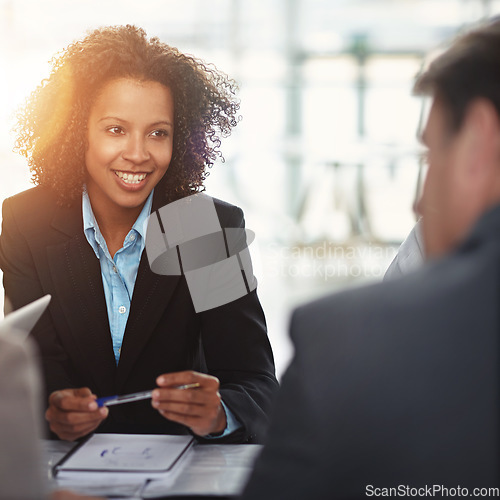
[(218, 470), (134, 456)]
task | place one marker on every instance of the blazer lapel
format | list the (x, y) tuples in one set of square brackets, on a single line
[(78, 286), (152, 293)]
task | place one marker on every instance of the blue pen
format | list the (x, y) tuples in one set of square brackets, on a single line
[(128, 398), (137, 396)]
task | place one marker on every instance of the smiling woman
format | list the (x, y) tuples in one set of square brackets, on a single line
[(130, 139), (123, 126)]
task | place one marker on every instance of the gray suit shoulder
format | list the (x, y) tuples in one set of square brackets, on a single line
[(438, 293)]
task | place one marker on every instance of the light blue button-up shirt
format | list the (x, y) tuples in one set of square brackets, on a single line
[(119, 274)]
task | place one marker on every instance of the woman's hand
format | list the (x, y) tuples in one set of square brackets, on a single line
[(198, 408), (73, 413)]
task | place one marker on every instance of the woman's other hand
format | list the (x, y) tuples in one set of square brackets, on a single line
[(198, 407)]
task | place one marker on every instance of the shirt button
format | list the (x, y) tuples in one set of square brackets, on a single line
[(122, 309), (132, 237), (114, 269)]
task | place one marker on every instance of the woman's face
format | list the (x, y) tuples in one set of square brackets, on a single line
[(130, 137)]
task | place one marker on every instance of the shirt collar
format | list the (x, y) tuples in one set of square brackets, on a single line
[(91, 227), (140, 223)]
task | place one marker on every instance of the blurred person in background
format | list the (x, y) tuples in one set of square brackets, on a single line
[(123, 126), (410, 256), (396, 385), (21, 471)]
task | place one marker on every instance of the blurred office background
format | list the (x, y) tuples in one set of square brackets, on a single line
[(325, 162)]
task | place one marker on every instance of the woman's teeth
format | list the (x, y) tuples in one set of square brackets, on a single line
[(131, 178)]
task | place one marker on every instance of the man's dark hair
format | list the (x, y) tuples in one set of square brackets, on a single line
[(469, 69)]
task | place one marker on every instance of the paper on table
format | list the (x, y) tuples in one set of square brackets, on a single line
[(134, 455), (213, 470)]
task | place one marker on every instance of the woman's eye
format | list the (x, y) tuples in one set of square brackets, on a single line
[(159, 133), (114, 130)]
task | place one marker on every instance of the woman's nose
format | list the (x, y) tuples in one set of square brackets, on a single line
[(136, 149)]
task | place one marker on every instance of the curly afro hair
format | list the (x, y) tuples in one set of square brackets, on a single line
[(52, 127)]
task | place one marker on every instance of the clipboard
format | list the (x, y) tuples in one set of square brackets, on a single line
[(141, 456)]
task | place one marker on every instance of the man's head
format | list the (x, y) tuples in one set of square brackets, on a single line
[(462, 136)]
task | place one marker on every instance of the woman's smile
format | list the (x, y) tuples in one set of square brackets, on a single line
[(130, 177)]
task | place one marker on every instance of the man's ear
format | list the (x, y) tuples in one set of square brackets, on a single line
[(478, 152), (481, 130)]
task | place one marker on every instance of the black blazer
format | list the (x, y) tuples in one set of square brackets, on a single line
[(395, 384), (43, 250)]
